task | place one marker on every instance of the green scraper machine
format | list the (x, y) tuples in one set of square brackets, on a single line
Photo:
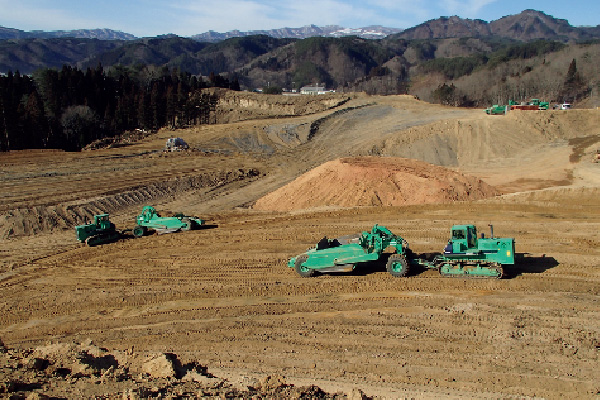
[(150, 219), (342, 254)]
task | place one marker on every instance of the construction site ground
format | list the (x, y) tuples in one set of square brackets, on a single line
[(222, 296)]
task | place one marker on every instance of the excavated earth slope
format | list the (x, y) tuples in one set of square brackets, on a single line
[(375, 181)]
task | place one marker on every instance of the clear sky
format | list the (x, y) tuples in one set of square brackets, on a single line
[(188, 17)]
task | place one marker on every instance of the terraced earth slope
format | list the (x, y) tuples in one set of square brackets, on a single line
[(220, 303)]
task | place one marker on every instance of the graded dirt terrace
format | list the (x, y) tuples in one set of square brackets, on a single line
[(223, 298)]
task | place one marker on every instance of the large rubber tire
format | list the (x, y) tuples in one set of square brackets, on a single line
[(139, 231), (397, 266), (303, 271), (188, 224)]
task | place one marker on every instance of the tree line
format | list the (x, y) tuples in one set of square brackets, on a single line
[(519, 86), (70, 108)]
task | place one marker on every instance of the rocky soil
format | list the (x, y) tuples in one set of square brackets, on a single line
[(89, 371)]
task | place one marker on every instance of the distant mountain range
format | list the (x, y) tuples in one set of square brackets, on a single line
[(449, 59), (102, 34), (525, 26), (371, 32)]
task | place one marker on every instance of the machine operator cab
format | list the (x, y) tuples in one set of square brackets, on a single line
[(463, 239), (464, 242), (102, 221)]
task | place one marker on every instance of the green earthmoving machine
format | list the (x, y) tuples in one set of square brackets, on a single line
[(465, 255), (99, 232), (496, 110), (342, 254), (534, 104), (543, 105), (150, 219)]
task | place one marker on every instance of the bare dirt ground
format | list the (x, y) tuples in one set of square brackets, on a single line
[(216, 312)]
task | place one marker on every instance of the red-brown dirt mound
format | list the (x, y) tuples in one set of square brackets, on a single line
[(375, 181)]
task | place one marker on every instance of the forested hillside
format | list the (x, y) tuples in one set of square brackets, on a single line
[(542, 69), (525, 26), (70, 108), (110, 86), (28, 55)]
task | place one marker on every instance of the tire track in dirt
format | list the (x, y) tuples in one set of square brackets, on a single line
[(28, 221), (225, 296)]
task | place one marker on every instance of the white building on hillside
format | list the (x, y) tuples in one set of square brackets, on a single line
[(312, 90)]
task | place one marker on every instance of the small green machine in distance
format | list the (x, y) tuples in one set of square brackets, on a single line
[(543, 105), (465, 255), (99, 232), (342, 254), (149, 219), (496, 110)]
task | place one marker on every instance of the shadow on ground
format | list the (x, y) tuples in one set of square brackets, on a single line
[(526, 263), (206, 226)]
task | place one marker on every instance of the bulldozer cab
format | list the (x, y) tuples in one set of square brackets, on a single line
[(463, 237), (102, 221)]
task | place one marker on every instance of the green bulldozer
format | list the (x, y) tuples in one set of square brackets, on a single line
[(98, 232), (465, 255), (150, 220)]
